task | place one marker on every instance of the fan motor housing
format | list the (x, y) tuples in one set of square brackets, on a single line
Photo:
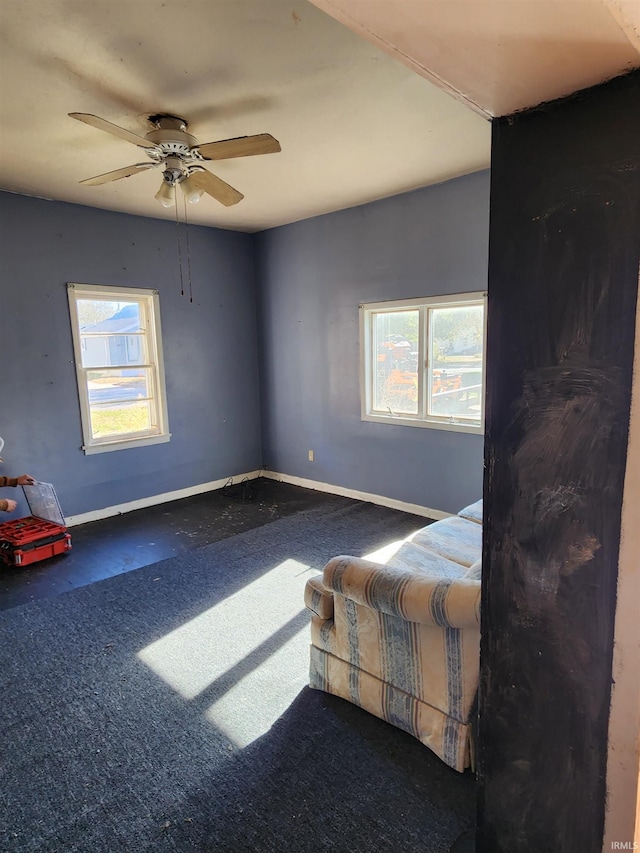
[(176, 142)]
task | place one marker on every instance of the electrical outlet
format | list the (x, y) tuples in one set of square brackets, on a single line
[(311, 456)]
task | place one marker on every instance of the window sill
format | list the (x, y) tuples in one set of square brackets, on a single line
[(398, 420), (107, 447)]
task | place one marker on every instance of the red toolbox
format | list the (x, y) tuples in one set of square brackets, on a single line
[(38, 536)]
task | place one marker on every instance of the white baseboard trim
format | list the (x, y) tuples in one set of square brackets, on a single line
[(153, 500), (381, 500)]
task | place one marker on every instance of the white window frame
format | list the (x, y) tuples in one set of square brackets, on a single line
[(149, 302), (368, 361)]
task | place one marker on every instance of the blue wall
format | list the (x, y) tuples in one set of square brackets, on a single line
[(312, 276), (210, 350)]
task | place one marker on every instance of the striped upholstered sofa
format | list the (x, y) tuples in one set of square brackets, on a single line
[(399, 634)]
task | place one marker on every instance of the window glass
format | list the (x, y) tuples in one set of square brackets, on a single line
[(111, 333), (119, 366), (457, 344), (395, 335), (109, 420), (423, 361)]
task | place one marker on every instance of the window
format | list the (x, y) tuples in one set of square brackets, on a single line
[(118, 355), (423, 362)]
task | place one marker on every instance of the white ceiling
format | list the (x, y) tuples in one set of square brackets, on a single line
[(354, 119)]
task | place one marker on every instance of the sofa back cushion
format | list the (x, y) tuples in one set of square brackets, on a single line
[(454, 538), (473, 512), (474, 571)]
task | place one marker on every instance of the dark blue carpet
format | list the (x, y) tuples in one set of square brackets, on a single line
[(166, 710)]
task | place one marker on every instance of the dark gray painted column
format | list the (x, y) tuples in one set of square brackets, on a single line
[(563, 281)]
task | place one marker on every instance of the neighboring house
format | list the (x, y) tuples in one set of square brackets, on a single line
[(107, 342)]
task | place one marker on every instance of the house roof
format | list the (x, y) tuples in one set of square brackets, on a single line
[(125, 320)]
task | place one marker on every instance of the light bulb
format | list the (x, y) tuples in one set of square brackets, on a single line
[(191, 190), (166, 195)]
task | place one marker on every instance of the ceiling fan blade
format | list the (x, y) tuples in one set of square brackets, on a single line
[(216, 188), (126, 172), (242, 146), (109, 127)]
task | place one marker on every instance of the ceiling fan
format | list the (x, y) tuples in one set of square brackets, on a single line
[(181, 156)]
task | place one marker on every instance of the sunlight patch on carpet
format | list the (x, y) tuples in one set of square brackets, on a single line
[(234, 634), (252, 706)]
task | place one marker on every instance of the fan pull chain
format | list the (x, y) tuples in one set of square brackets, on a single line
[(186, 228), (179, 248)]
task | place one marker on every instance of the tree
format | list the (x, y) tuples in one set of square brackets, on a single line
[(92, 311)]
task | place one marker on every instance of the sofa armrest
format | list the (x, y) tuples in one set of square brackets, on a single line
[(317, 598), (445, 602)]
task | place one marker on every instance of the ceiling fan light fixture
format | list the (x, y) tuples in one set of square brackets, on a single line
[(179, 153), (192, 192), (166, 195)]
